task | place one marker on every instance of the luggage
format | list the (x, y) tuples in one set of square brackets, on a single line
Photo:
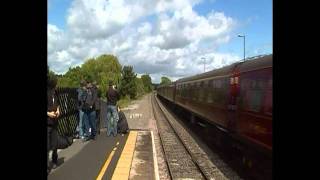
[(122, 123), (64, 142)]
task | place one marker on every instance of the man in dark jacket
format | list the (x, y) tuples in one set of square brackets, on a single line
[(89, 116), (53, 112), (112, 113)]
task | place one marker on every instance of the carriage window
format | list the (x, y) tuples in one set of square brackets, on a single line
[(208, 96), (210, 84), (261, 84), (268, 98), (252, 95), (205, 84), (218, 83), (201, 91), (268, 103), (194, 86), (253, 84), (255, 100)]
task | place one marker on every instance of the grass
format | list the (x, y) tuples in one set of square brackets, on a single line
[(124, 102)]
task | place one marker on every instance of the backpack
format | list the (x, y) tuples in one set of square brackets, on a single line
[(122, 123), (89, 100), (63, 142)]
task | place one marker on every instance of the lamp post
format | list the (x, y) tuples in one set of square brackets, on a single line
[(204, 64), (244, 46)]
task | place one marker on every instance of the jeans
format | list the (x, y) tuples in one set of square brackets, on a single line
[(89, 119), (81, 124), (112, 120), (98, 121)]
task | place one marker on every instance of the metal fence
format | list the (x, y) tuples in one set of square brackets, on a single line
[(69, 118)]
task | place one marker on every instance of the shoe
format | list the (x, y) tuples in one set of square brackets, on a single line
[(69, 140), (93, 137), (54, 165), (48, 171), (114, 134), (85, 139)]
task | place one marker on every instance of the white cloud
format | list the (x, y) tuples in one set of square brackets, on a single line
[(168, 45), (186, 26), (145, 28), (56, 38)]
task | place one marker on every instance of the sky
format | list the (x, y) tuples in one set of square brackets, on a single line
[(172, 38)]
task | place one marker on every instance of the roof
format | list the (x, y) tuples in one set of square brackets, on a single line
[(247, 64)]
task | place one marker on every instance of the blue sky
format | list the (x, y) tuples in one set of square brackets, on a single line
[(57, 10), (255, 21), (252, 18)]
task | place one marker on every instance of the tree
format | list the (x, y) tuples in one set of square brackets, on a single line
[(71, 79), (165, 81), (107, 68), (51, 74), (102, 69), (128, 84), (146, 79)]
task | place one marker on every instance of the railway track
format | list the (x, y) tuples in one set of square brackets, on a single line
[(184, 158)]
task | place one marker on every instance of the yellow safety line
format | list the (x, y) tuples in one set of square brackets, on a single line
[(106, 164), (124, 163)]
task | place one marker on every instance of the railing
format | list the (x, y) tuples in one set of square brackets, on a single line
[(69, 118)]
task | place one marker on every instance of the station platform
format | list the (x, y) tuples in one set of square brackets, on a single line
[(129, 156)]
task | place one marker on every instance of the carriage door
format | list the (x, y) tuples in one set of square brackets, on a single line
[(234, 93)]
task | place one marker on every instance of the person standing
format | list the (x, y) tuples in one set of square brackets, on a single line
[(81, 97), (112, 113), (53, 112), (89, 112)]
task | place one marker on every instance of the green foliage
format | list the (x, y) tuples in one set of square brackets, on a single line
[(51, 75), (71, 79), (165, 81), (140, 87), (107, 69), (146, 79), (103, 69), (128, 84), (124, 101)]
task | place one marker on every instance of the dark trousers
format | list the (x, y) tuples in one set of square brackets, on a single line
[(98, 121), (52, 140), (89, 118)]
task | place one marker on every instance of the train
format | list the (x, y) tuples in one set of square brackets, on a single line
[(237, 99)]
